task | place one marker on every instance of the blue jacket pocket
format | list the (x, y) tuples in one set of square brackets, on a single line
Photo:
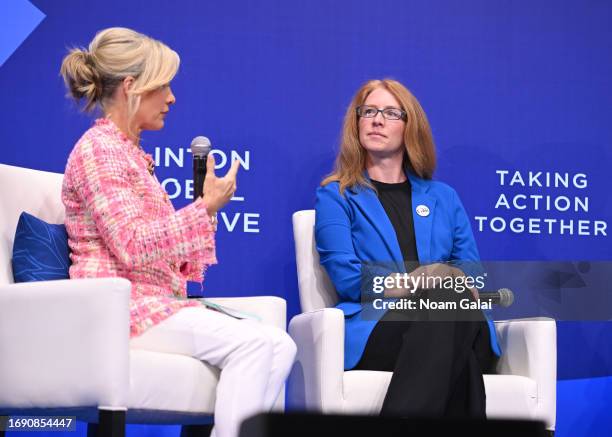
[(349, 308)]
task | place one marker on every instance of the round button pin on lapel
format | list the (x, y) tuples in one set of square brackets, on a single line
[(422, 210)]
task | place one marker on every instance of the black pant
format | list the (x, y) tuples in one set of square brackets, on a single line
[(437, 365)]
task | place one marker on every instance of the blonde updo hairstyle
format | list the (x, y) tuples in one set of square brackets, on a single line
[(114, 54)]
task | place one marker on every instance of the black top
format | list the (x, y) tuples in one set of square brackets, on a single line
[(396, 199)]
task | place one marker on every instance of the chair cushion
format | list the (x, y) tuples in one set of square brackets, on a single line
[(511, 397), (508, 396), (40, 250), (171, 382)]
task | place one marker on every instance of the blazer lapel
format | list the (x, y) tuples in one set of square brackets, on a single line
[(373, 211), (422, 217)]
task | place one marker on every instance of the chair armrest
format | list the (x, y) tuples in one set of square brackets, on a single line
[(65, 343), (319, 336), (529, 348), (272, 310)]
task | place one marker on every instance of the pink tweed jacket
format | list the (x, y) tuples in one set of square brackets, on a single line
[(120, 222)]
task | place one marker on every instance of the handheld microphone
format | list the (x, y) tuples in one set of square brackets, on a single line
[(503, 297), (200, 148)]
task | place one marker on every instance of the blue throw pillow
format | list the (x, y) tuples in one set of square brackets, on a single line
[(40, 250)]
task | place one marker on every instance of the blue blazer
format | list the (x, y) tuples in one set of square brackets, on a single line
[(353, 228)]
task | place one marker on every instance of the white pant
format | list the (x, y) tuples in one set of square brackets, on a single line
[(254, 358)]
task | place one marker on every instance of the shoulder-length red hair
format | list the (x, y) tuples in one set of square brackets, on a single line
[(420, 157)]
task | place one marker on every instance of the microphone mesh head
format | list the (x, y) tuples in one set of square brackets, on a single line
[(506, 297), (200, 146)]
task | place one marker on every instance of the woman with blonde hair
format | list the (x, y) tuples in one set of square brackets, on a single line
[(380, 211), (120, 222)]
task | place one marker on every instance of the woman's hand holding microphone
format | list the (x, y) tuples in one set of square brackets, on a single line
[(218, 190)]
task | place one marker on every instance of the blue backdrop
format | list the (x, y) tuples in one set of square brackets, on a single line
[(518, 95)]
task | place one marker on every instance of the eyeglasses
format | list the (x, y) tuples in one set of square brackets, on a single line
[(366, 111)]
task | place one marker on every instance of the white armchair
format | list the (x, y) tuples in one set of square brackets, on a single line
[(524, 386), (64, 345)]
